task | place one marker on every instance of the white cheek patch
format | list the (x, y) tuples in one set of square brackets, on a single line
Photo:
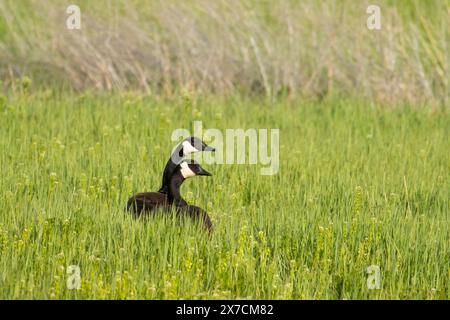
[(188, 148), (186, 172)]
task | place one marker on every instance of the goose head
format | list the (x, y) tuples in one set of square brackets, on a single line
[(192, 168), (194, 144)]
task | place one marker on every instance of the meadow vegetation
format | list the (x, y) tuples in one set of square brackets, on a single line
[(86, 118), (359, 184)]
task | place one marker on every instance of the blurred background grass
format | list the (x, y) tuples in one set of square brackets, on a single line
[(269, 48)]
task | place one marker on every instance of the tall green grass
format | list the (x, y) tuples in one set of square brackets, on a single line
[(359, 184)]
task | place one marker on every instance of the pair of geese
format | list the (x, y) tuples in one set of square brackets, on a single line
[(168, 197)]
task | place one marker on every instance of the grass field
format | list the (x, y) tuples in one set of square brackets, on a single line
[(359, 184)]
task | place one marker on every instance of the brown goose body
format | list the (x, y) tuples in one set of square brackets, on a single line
[(152, 202), (146, 201)]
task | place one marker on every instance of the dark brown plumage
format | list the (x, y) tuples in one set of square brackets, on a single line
[(146, 201), (153, 202)]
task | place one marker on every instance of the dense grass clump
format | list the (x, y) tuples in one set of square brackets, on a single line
[(359, 185)]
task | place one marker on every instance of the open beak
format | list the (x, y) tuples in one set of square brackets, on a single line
[(205, 147), (203, 172)]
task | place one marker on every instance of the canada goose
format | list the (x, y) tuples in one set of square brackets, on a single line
[(150, 201), (186, 147)]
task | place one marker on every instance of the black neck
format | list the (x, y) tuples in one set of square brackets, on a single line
[(174, 195), (171, 164)]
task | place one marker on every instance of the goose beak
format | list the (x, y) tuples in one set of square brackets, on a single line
[(205, 147), (203, 172)]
